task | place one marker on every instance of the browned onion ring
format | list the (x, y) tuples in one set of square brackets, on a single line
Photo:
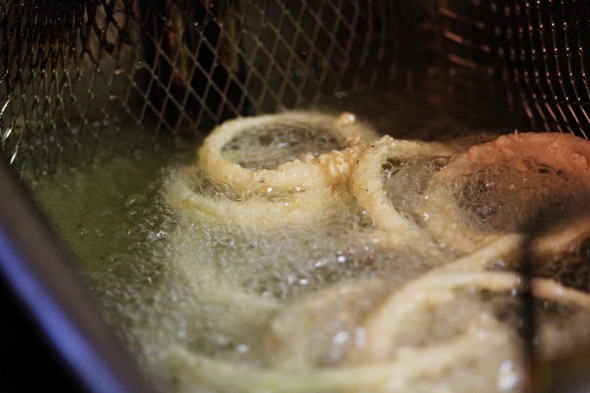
[(565, 153)]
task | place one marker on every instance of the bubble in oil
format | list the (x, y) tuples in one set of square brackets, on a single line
[(404, 182), (271, 145), (507, 198), (213, 289)]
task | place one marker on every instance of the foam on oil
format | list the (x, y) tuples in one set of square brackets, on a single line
[(168, 281)]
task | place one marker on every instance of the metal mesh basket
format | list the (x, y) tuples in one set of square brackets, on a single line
[(545, 49), (72, 71), (78, 75), (78, 71)]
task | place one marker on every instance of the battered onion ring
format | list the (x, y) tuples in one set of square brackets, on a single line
[(434, 287), (562, 152), (237, 320), (305, 173), (303, 332), (384, 324), (255, 212), (367, 183), (398, 375), (437, 286)]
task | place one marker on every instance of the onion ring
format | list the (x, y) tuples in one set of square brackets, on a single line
[(300, 192), (436, 287), (254, 212), (565, 154), (304, 332), (398, 375), (367, 183), (303, 173)]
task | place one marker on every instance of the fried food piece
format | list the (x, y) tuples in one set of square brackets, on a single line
[(289, 135), (513, 183)]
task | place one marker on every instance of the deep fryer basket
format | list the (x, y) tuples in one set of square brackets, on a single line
[(75, 75)]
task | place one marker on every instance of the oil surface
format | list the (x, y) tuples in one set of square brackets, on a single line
[(289, 298), (110, 217)]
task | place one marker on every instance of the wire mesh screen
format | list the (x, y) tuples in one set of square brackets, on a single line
[(462, 76), (525, 61), (72, 70), (546, 48), (78, 75)]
